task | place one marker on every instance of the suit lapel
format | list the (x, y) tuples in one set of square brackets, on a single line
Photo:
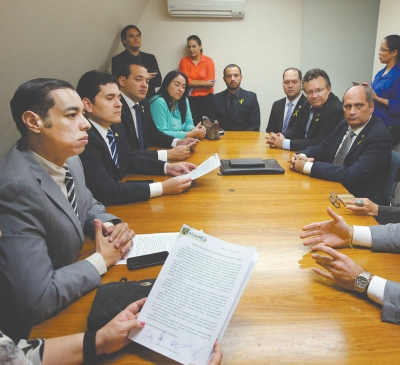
[(127, 115), (53, 191), (240, 101)]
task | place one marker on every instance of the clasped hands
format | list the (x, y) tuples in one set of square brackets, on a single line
[(324, 236), (275, 140), (297, 162)]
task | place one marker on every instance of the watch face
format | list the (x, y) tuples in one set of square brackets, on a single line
[(362, 282)]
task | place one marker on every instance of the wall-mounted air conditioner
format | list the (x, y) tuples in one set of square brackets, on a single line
[(206, 8)]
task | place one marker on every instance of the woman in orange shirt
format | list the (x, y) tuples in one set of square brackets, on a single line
[(200, 71)]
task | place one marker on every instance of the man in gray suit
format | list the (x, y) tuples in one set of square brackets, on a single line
[(324, 236), (45, 210)]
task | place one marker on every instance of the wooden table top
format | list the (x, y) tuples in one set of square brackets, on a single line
[(287, 314)]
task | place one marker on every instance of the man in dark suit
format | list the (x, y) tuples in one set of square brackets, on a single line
[(131, 38), (133, 80), (235, 109), (319, 115), (46, 210), (357, 153), (108, 156), (286, 111)]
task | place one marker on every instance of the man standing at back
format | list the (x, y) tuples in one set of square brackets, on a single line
[(131, 38), (285, 111), (234, 108), (318, 117), (46, 209)]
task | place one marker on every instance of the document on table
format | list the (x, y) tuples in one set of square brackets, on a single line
[(194, 296), (205, 167), (144, 244)]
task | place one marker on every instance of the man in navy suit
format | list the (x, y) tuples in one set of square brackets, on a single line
[(108, 156), (285, 111), (357, 153), (133, 81), (131, 38), (319, 115), (235, 109)]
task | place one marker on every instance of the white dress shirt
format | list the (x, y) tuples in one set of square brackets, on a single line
[(286, 142)]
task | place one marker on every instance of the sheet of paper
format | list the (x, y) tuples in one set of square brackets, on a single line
[(205, 167), (145, 244), (194, 296)]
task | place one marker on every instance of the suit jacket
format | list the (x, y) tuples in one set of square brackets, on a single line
[(152, 135), (103, 178), (366, 166), (324, 121), (146, 59), (275, 122), (42, 237), (386, 239), (388, 215), (247, 116)]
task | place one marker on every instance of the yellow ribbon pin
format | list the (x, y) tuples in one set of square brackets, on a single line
[(241, 101)]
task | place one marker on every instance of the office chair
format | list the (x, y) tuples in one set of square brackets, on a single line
[(392, 180)]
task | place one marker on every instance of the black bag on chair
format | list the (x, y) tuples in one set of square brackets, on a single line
[(112, 298)]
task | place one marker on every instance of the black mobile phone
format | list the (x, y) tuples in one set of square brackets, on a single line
[(153, 259)]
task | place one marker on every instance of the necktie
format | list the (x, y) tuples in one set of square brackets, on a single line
[(287, 117), (113, 147), (69, 184), (232, 106), (344, 148), (310, 117), (139, 126)]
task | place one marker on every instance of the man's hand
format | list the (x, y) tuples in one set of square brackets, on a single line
[(119, 233), (216, 358), (114, 335), (298, 161), (333, 233), (369, 207), (179, 153), (152, 75), (122, 237), (180, 168), (275, 140), (192, 142), (176, 185), (342, 269)]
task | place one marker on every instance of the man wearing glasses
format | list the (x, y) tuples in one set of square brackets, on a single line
[(357, 153), (319, 116), (131, 38)]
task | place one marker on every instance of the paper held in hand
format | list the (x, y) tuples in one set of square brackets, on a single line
[(194, 296)]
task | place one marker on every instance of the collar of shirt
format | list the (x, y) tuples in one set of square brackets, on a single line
[(56, 172), (294, 102), (358, 130), (129, 101), (103, 133)]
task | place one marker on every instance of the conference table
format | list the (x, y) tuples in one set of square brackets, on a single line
[(287, 314)]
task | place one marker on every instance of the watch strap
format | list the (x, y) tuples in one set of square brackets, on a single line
[(89, 346)]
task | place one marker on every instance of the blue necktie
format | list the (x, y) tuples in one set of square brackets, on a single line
[(69, 184), (113, 147), (288, 116), (139, 126)]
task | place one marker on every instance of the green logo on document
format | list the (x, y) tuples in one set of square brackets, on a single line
[(188, 232)]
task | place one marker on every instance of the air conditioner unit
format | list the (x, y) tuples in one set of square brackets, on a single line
[(206, 8)]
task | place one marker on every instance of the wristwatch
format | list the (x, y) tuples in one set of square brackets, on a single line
[(362, 281)]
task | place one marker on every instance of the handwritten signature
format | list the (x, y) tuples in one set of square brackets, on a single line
[(197, 354), (160, 338), (174, 344), (148, 336)]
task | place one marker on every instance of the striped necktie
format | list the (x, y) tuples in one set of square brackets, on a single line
[(113, 147), (344, 148), (288, 116), (69, 184)]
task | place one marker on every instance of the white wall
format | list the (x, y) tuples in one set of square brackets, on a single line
[(256, 43), (389, 23), (56, 38)]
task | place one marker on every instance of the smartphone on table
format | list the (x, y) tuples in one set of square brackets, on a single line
[(153, 259)]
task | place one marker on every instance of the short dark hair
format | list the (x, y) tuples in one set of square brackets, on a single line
[(368, 93), (163, 93), (230, 66), (125, 68), (195, 38), (125, 29), (89, 84), (314, 73), (35, 95), (294, 69), (393, 43)]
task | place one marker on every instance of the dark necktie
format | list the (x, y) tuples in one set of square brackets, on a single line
[(344, 148), (232, 106), (69, 184), (113, 147), (139, 126), (310, 117), (288, 115)]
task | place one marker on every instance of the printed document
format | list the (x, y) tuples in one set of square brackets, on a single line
[(205, 167), (194, 296)]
